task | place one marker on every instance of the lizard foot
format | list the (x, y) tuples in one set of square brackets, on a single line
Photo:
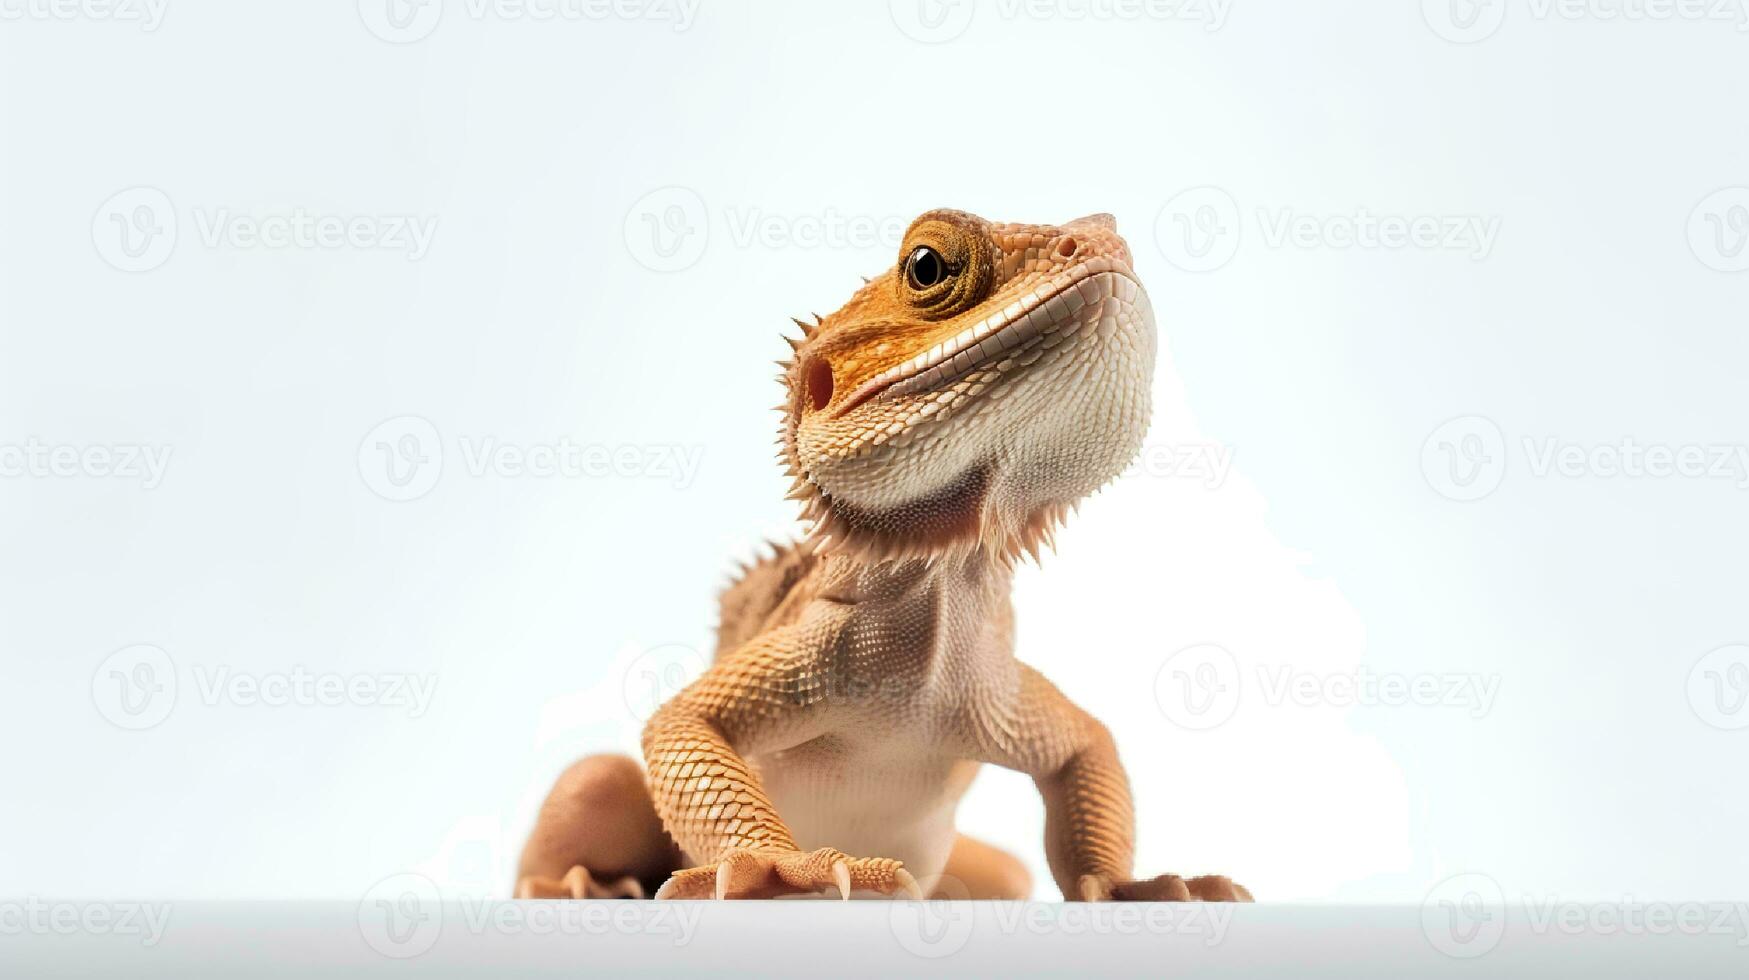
[(577, 883), (1166, 888), (771, 872)]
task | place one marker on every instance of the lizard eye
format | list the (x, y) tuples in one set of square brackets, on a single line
[(945, 266), (925, 267)]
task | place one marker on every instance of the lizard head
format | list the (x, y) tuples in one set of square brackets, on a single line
[(973, 393)]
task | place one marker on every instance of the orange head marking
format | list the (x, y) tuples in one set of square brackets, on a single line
[(970, 394)]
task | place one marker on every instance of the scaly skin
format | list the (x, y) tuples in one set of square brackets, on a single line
[(938, 427)]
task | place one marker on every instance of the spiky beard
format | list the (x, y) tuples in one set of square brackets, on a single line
[(834, 532), (952, 523)]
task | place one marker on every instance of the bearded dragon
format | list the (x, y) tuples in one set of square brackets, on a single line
[(938, 427)]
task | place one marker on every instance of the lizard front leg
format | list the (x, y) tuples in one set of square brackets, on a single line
[(768, 695), (1089, 816)]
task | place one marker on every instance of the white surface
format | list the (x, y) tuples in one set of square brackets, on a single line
[(874, 939), (541, 607)]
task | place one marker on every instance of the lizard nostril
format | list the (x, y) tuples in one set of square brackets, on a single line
[(819, 383), (1066, 247)]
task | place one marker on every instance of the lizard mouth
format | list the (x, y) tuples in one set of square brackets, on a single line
[(1035, 315)]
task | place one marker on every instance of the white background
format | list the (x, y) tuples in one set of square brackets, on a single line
[(625, 215)]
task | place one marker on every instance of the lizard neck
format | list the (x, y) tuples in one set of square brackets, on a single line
[(976, 574), (936, 618)]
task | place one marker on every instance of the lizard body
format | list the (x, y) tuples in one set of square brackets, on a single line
[(938, 426)]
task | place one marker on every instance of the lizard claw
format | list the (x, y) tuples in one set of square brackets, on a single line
[(1094, 889), (744, 872), (725, 877), (841, 875)]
